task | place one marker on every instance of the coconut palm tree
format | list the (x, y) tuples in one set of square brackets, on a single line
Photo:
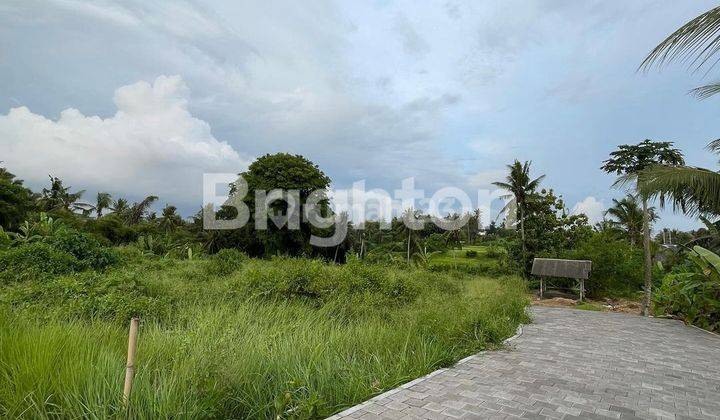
[(169, 220), (520, 186), (141, 209), (628, 216), (103, 202), (693, 190), (696, 44)]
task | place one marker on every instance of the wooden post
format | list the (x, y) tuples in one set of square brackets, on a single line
[(130, 366), (582, 289), (541, 287)]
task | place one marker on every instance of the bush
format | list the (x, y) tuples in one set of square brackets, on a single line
[(313, 280), (692, 291), (471, 253), (225, 262), (617, 266), (84, 247), (36, 260), (493, 252), (90, 295)]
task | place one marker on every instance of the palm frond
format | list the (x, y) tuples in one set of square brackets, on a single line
[(690, 189), (695, 43), (714, 146), (704, 92)]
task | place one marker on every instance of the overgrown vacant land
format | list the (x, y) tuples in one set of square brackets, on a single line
[(229, 336)]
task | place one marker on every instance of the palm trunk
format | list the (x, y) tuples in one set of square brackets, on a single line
[(647, 302), (522, 227)]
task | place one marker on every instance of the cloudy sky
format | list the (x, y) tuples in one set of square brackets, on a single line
[(138, 98)]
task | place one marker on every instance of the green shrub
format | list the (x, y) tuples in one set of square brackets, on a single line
[(36, 259), (225, 262), (313, 280), (617, 266), (90, 295), (471, 253), (692, 291), (493, 252), (84, 247)]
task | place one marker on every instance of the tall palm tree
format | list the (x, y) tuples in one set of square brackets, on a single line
[(696, 44), (693, 190), (520, 186), (628, 216)]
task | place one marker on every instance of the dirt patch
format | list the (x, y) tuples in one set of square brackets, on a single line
[(609, 305)]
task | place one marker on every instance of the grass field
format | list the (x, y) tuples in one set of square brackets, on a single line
[(226, 339), (486, 260)]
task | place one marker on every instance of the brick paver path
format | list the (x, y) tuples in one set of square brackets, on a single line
[(571, 364)]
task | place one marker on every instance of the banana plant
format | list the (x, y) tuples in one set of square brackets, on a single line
[(694, 293)]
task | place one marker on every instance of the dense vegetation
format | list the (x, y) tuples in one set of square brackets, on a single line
[(227, 336)]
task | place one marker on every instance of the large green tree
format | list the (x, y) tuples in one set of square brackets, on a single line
[(15, 200), (630, 160), (285, 172)]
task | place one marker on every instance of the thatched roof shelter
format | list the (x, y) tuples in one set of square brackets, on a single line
[(552, 267)]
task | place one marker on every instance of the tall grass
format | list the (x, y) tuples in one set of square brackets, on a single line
[(272, 339)]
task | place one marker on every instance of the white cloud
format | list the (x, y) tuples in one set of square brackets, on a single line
[(485, 179), (152, 145), (591, 207)]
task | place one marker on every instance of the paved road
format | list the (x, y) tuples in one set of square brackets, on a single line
[(571, 364)]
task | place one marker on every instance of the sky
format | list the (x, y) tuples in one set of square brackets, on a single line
[(138, 98)]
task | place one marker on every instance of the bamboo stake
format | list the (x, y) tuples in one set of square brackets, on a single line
[(130, 366)]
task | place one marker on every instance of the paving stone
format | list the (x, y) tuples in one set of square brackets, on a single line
[(571, 364)]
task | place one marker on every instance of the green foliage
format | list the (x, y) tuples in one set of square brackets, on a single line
[(628, 217), (89, 295), (5, 239), (86, 248), (632, 159), (617, 267), (550, 231), (113, 228), (288, 173), (692, 291), (33, 260), (225, 262), (471, 253), (312, 280), (59, 198), (210, 349), (435, 242), (15, 201)]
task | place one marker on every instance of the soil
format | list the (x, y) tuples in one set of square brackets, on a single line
[(610, 305)]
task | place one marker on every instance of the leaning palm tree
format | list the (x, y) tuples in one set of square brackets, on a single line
[(140, 210), (520, 186), (696, 44), (691, 189)]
